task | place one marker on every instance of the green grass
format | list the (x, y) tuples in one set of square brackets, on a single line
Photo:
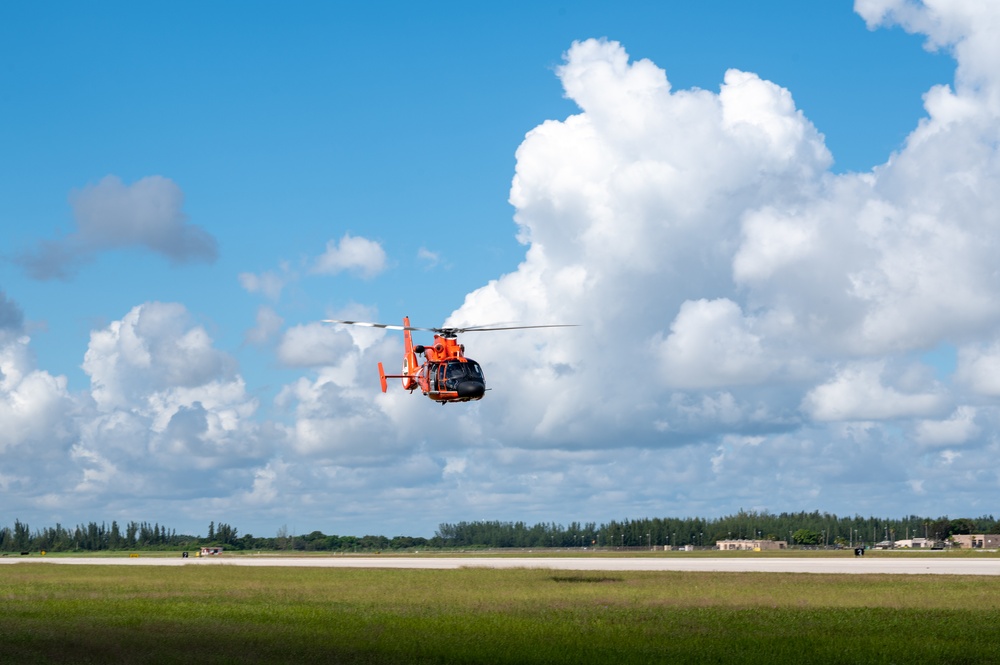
[(235, 614)]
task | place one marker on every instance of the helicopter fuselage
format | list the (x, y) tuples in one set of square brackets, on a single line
[(446, 375)]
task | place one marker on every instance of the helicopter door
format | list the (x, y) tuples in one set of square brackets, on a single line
[(432, 377)]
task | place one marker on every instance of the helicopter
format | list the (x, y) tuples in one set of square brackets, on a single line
[(446, 374)]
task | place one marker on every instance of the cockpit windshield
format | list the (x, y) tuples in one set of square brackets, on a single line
[(457, 371)]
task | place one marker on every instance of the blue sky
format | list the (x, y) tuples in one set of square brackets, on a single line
[(216, 180)]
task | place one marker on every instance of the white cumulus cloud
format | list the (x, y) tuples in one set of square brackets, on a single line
[(957, 429), (712, 344), (354, 254), (979, 367), (165, 405), (35, 406), (313, 344), (857, 392)]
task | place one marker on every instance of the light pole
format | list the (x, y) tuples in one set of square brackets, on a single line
[(649, 541)]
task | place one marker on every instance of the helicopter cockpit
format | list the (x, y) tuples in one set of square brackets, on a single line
[(464, 377)]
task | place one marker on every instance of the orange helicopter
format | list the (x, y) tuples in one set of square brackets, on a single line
[(446, 375)]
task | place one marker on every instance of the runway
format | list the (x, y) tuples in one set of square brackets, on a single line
[(832, 565)]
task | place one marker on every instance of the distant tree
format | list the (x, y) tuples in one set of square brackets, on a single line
[(940, 528), (806, 537), (374, 543), (962, 526), (226, 534), (115, 537), (131, 533), (22, 535), (406, 542)]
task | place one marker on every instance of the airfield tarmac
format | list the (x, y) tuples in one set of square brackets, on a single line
[(838, 565)]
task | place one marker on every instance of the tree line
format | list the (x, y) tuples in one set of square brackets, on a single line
[(89, 537), (94, 537), (801, 528)]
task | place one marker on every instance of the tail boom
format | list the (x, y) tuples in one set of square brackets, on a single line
[(410, 365)]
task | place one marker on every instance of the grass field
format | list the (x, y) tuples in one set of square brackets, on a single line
[(231, 614)]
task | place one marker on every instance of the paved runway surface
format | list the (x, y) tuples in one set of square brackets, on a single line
[(988, 565)]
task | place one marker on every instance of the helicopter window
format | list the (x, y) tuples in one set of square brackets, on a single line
[(452, 373), (455, 371)]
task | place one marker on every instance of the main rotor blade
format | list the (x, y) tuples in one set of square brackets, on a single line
[(487, 328), (387, 326), (447, 332)]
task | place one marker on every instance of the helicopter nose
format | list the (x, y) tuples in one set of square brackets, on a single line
[(471, 389)]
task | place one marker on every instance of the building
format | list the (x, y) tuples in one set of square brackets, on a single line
[(915, 543), (751, 545), (977, 541)]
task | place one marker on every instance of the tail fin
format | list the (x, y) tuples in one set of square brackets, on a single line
[(381, 376)]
